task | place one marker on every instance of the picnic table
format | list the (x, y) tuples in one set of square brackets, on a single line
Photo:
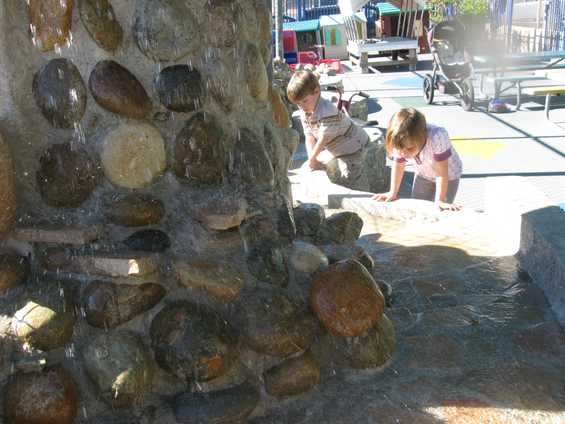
[(495, 66)]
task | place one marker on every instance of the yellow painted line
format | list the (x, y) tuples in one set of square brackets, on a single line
[(484, 149)]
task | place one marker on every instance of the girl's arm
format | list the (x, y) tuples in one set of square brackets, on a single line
[(397, 172), (442, 181)]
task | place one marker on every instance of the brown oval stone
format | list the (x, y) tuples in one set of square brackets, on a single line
[(50, 22), (67, 175), (221, 212), (100, 21), (222, 280), (293, 376), (256, 74), (121, 366), (280, 112), (193, 344), (251, 159), (46, 397), (199, 151), (108, 305), (60, 93), (134, 210), (346, 299), (272, 324), (47, 320), (179, 88), (165, 30), (7, 188), (14, 270), (116, 89)]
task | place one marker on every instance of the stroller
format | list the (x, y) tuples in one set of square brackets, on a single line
[(452, 71)]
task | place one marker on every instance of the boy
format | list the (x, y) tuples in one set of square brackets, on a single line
[(333, 142)]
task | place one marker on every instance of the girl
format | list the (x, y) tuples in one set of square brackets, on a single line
[(438, 166)]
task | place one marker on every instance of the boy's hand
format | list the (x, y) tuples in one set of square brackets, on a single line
[(443, 206), (385, 197), (314, 164)]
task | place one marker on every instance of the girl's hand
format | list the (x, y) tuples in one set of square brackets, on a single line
[(443, 206), (385, 197)]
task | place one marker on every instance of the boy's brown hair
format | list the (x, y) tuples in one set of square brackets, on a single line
[(408, 124), (301, 85)]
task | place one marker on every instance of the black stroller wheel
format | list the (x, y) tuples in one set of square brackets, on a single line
[(467, 95), (428, 89)]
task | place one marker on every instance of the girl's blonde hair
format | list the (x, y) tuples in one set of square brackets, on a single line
[(302, 84), (406, 125)]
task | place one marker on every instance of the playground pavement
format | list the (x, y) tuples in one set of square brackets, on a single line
[(503, 154)]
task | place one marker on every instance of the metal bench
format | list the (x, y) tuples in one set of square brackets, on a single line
[(512, 81), (547, 91)]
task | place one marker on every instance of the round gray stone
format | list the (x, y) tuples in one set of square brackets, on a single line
[(179, 88), (165, 30)]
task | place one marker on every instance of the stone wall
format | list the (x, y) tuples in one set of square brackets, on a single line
[(152, 267)]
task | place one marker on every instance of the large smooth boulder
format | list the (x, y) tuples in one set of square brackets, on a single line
[(47, 319), (67, 175), (346, 298), (60, 93), (133, 155), (121, 366), (100, 21), (193, 344), (134, 210), (116, 89), (179, 88), (50, 22), (107, 305), (293, 376), (272, 324), (219, 279), (45, 397), (14, 270), (165, 30), (199, 151)]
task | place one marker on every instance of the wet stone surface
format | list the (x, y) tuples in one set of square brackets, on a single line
[(193, 344), (7, 187), (374, 349), (221, 280), (48, 396), (200, 151), (121, 366), (107, 305), (272, 324), (133, 155), (231, 405), (340, 228), (251, 161), (340, 252), (50, 22), (148, 241), (179, 88), (67, 175), (134, 210), (305, 257), (116, 89), (47, 319), (293, 376), (308, 218), (346, 299), (100, 21), (256, 74), (221, 211), (14, 270), (218, 82), (165, 30), (60, 93)]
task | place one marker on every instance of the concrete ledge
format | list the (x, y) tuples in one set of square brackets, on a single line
[(542, 254)]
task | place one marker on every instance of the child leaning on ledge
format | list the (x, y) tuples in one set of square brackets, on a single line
[(329, 134), (437, 164)]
